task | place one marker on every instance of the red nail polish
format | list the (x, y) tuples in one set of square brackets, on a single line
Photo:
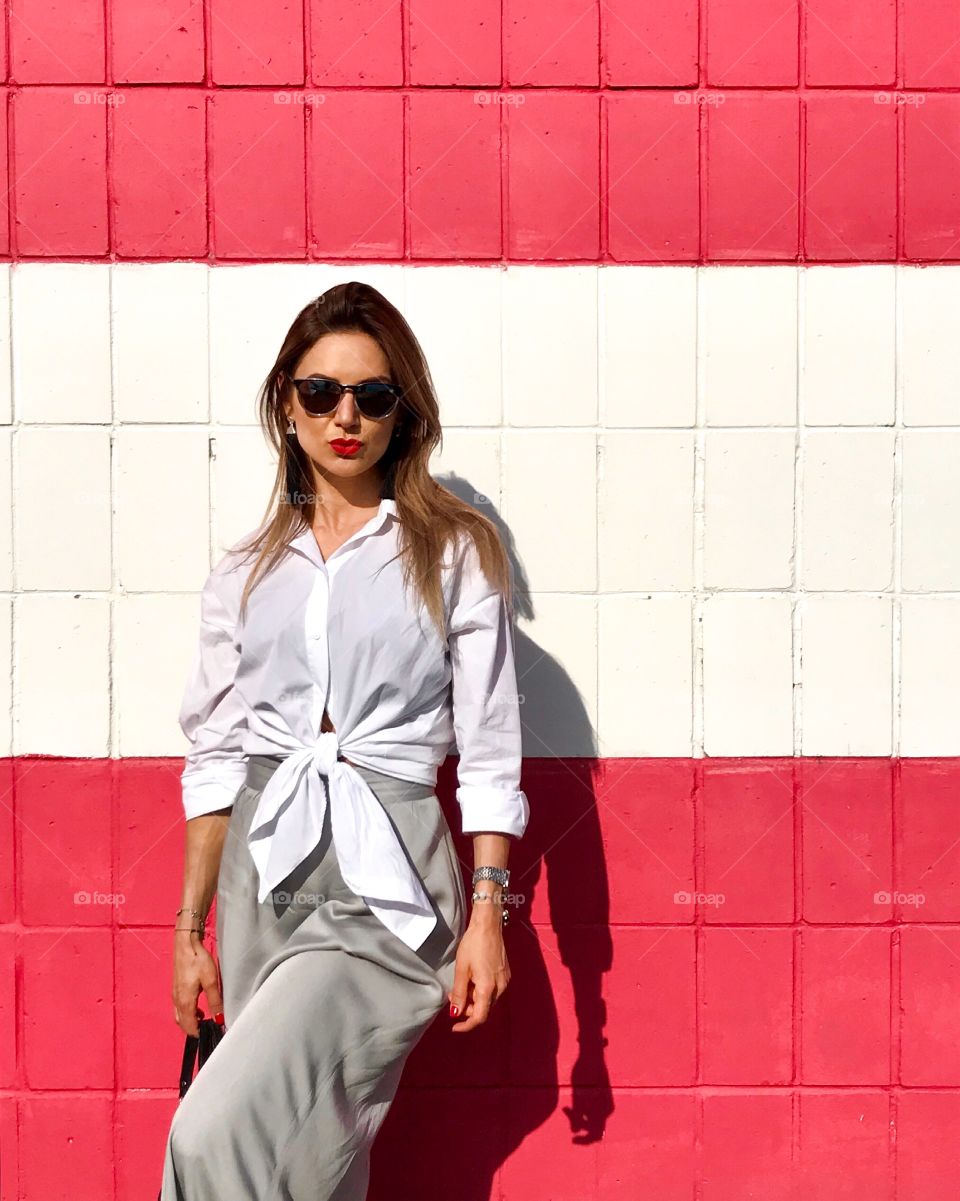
[(454, 1009), (218, 1018)]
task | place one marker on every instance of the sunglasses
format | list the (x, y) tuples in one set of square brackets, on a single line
[(375, 400)]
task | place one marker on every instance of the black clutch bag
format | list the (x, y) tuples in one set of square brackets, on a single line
[(198, 1049)]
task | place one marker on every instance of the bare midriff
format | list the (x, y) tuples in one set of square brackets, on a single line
[(326, 727)]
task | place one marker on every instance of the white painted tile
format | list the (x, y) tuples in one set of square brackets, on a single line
[(469, 466), (847, 510), (154, 640), (160, 351), (243, 469), (557, 676), (455, 314), (550, 346), (749, 340), (748, 508), (747, 675), (251, 311), (6, 682), (62, 656), (62, 502), (931, 510), (648, 346), (930, 675), (6, 492), (6, 357), (846, 675), (929, 302), (645, 676), (849, 318), (163, 524), (645, 513), (550, 503), (66, 379)]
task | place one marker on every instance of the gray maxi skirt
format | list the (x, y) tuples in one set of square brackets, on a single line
[(322, 1005)]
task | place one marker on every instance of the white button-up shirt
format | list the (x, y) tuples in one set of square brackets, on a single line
[(343, 634)]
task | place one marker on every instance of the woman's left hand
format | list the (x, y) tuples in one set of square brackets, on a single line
[(482, 972)]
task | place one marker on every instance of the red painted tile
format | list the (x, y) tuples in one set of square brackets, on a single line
[(66, 1148), (149, 1042), (68, 987), (928, 878), (143, 1122), (553, 171), (649, 44), (848, 43), (148, 840), (356, 150), (8, 879), (845, 1007), (653, 191), (245, 48), (61, 206), (928, 1129), (851, 168), (929, 1007), (632, 986), (355, 45), (747, 1142), (645, 808), (454, 176), (159, 193), (157, 43), (564, 839), (851, 1129), (257, 178), (748, 834), (450, 45), (8, 1010), (931, 188), (57, 43), (847, 839), (930, 37), (550, 44), (753, 146), (63, 811), (746, 1027), (752, 42), (10, 1141), (466, 1149)]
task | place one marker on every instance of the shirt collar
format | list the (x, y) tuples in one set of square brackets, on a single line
[(306, 543)]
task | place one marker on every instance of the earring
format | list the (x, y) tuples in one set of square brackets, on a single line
[(291, 428)]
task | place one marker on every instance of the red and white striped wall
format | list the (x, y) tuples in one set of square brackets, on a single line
[(688, 280)]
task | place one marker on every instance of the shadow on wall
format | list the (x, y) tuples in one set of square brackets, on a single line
[(467, 1102)]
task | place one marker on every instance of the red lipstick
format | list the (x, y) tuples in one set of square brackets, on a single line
[(346, 446)]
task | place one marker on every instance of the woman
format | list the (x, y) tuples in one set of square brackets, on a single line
[(344, 646)]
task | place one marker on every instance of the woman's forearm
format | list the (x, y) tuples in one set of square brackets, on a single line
[(205, 836), (489, 850)]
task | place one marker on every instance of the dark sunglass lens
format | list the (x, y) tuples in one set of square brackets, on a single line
[(375, 400), (319, 395)]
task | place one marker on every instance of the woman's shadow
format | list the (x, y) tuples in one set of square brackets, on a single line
[(467, 1101)]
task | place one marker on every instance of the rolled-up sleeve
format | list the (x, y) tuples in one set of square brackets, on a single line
[(486, 704), (211, 714)]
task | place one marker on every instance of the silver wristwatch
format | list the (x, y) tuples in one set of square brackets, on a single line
[(500, 875)]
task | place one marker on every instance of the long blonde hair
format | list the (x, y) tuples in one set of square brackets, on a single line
[(431, 516)]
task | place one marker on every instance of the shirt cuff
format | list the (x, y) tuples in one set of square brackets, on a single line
[(210, 789), (499, 810)]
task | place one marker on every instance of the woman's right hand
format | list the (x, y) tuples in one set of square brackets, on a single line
[(194, 970)]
